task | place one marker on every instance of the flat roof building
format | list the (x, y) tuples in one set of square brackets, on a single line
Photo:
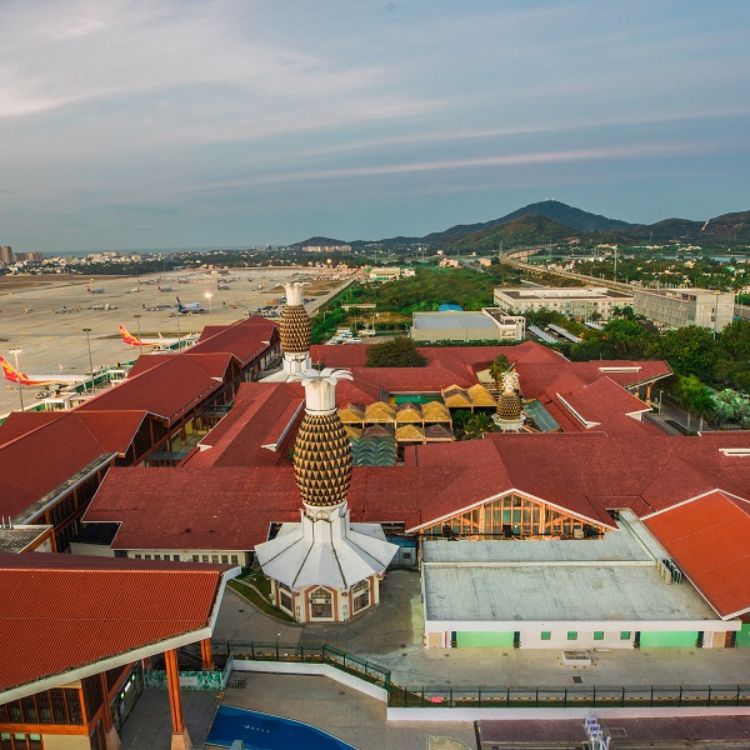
[(577, 302), (489, 324), (677, 308), (616, 591)]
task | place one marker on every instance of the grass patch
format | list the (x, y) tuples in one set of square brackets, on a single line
[(261, 602)]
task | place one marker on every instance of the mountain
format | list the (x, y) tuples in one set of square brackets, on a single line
[(550, 221), (317, 241), (526, 230), (572, 217)]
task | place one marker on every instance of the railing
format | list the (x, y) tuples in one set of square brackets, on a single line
[(314, 653), (578, 696), (565, 697)]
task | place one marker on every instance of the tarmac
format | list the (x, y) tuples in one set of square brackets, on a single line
[(45, 316)]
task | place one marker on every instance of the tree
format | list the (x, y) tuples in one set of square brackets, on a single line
[(398, 352), (689, 351), (499, 366), (477, 425)]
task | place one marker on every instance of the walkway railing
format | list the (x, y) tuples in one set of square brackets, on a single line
[(578, 696), (313, 653), (565, 697)]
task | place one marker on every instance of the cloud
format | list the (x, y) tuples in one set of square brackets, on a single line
[(629, 151)]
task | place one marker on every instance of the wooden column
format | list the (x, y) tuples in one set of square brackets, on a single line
[(111, 738), (180, 737), (207, 656), (648, 394)]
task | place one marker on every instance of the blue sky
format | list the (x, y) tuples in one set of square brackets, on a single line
[(170, 123)]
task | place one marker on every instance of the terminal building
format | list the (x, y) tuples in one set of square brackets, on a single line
[(677, 308), (572, 301)]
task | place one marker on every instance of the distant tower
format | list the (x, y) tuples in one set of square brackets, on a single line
[(325, 567), (295, 331)]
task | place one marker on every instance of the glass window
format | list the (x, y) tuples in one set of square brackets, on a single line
[(235, 560), (204, 558), (214, 558), (361, 596), (176, 558), (321, 604), (546, 635), (625, 635), (572, 635), (196, 558), (225, 559), (598, 635)]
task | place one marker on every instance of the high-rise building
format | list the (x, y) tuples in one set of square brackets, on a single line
[(34, 256), (6, 255)]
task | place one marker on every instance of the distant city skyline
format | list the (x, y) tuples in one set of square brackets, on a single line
[(178, 123)]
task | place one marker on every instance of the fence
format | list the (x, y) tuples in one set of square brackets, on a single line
[(573, 697), (578, 696), (315, 654)]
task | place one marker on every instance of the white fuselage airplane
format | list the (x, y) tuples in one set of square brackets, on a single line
[(160, 342), (22, 378), (190, 307)]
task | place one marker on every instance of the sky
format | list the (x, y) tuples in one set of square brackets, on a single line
[(188, 123)]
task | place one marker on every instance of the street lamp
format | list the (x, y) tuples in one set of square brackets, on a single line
[(208, 296), (138, 323), (87, 331), (15, 352)]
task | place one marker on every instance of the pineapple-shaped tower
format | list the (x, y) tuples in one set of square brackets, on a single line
[(324, 567), (294, 331)]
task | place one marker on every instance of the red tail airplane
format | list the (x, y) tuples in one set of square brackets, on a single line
[(21, 378), (160, 343)]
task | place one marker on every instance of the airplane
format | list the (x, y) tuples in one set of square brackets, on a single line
[(159, 343), (21, 378), (164, 288), (190, 307), (94, 290)]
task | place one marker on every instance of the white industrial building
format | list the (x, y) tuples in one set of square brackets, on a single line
[(489, 324)]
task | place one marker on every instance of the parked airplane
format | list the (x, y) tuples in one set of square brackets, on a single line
[(94, 290), (164, 288), (22, 378), (190, 307), (159, 343)]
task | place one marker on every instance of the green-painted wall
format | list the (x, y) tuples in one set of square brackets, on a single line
[(743, 636), (484, 640), (669, 639)]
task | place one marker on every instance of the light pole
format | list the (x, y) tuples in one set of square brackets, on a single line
[(87, 331), (208, 296), (138, 323), (15, 352)]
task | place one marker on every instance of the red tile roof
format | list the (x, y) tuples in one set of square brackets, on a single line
[(263, 414), (63, 612), (246, 339), (709, 539), (217, 508), (169, 390), (41, 452)]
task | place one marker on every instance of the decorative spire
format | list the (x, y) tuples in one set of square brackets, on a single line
[(295, 330), (322, 452), (509, 412)]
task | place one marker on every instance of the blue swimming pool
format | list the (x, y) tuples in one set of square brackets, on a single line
[(267, 732)]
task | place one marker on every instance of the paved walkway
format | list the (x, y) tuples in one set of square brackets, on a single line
[(391, 636)]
